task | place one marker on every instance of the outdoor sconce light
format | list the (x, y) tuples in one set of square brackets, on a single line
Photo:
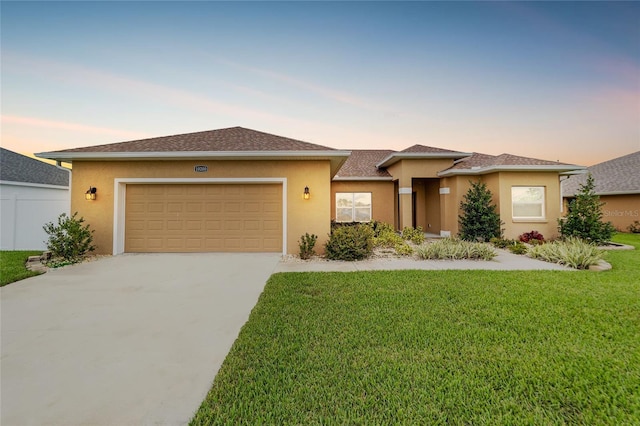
[(91, 193), (306, 193)]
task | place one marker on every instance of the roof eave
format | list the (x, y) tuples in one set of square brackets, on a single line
[(493, 169), (336, 157), (183, 155), (397, 156)]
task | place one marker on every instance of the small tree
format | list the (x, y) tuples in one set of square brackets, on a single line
[(584, 219), (69, 239), (480, 220)]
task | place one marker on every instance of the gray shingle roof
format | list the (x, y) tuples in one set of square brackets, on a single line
[(485, 160), (16, 167), (617, 176), (429, 150), (362, 164), (231, 139)]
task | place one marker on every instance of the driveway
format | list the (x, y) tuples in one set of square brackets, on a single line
[(131, 339)]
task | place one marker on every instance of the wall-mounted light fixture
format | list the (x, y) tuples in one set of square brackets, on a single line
[(306, 194), (91, 193)]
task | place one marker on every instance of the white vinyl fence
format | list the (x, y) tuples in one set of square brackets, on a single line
[(24, 209)]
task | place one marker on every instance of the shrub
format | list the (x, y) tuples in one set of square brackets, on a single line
[(533, 237), (500, 242), (69, 239), (572, 252), (415, 235), (350, 243), (403, 249), (380, 228), (584, 219), (634, 227), (385, 235), (480, 220), (307, 243), (449, 248), (517, 247)]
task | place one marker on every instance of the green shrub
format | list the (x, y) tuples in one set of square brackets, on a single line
[(386, 237), (480, 220), (415, 235), (517, 247), (449, 248), (350, 243), (634, 227), (403, 249), (500, 242), (69, 239), (381, 228), (307, 243), (572, 252), (584, 219), (513, 246)]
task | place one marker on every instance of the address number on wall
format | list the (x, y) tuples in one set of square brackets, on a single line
[(201, 169)]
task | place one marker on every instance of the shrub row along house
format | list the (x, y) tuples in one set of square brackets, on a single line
[(617, 183), (238, 189)]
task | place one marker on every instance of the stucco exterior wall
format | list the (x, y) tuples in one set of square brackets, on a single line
[(25, 209), (500, 185), (621, 210), (404, 171), (312, 216), (382, 197), (514, 227)]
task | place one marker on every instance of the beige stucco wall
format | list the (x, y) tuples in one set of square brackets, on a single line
[(404, 171), (547, 227), (621, 210), (312, 216), (500, 185), (382, 198)]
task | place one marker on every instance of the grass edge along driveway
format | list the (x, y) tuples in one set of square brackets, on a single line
[(12, 265), (479, 347)]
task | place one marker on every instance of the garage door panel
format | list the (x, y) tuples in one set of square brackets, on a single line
[(203, 217)]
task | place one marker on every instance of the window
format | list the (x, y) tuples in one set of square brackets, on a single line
[(353, 207), (528, 202)]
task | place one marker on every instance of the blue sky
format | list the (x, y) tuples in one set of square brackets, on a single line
[(558, 81)]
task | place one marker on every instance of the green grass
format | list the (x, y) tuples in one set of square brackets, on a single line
[(12, 266), (438, 347)]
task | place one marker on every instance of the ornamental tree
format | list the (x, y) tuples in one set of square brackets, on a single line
[(584, 218), (480, 220)]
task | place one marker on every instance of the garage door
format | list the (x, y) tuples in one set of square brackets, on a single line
[(203, 218)]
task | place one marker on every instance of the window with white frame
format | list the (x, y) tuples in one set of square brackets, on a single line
[(353, 207), (528, 202)]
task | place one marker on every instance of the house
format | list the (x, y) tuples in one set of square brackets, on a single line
[(32, 193), (617, 182), (238, 189)]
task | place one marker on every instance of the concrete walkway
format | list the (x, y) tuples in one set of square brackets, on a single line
[(505, 261), (124, 340)]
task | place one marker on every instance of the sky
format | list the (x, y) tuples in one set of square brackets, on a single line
[(549, 80)]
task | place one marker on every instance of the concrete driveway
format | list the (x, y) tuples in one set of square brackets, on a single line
[(131, 339)]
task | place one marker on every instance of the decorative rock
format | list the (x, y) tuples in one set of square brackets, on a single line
[(600, 266)]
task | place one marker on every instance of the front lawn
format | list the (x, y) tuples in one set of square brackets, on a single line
[(12, 266), (438, 347)]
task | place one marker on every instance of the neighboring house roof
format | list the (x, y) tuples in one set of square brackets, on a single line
[(234, 143), (617, 176), (478, 164), (16, 167), (361, 165)]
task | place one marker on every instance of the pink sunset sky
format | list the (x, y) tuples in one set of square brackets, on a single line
[(557, 81)]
